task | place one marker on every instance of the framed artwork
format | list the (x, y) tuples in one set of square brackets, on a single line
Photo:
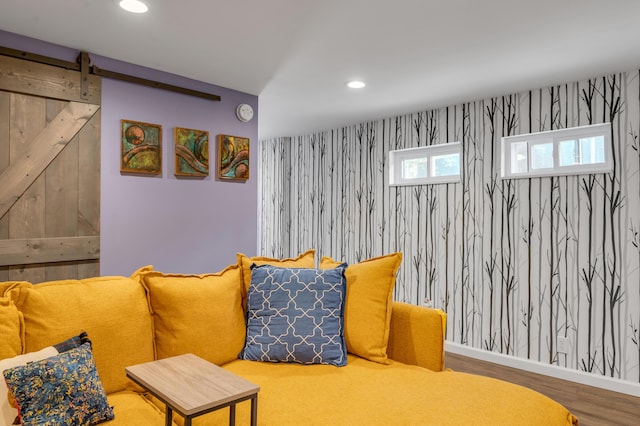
[(233, 157), (141, 147), (192, 152)]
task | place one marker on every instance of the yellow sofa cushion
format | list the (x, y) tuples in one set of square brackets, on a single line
[(112, 310), (367, 311), (131, 408), (11, 329), (304, 260), (374, 394), (199, 314)]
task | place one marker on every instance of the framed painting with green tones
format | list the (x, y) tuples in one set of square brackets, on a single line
[(192, 152), (141, 147), (233, 157)]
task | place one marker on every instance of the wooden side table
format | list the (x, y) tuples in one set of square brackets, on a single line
[(193, 386)]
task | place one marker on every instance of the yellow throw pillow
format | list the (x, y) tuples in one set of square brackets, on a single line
[(304, 260), (199, 314), (367, 312), (11, 328), (113, 310), (7, 286)]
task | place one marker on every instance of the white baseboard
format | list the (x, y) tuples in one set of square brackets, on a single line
[(609, 383)]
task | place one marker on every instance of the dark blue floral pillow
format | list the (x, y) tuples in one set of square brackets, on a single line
[(60, 390), (296, 315)]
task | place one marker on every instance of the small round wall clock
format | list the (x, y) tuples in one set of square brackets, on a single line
[(244, 112)]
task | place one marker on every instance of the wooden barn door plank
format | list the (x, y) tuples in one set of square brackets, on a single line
[(88, 217), (32, 78), (26, 218), (61, 214), (37, 251), (5, 114)]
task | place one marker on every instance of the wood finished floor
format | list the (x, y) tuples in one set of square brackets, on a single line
[(592, 405)]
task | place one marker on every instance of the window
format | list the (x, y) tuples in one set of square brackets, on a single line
[(578, 150), (425, 165)]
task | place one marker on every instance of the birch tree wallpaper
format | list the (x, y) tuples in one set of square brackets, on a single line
[(514, 263)]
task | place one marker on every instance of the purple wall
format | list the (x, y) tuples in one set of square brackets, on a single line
[(176, 224)]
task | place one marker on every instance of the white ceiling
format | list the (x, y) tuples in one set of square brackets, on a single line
[(298, 54)]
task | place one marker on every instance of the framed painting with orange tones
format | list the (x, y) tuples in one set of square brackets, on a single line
[(192, 152), (233, 157), (141, 148)]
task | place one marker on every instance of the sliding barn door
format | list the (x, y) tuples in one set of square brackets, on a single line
[(49, 172)]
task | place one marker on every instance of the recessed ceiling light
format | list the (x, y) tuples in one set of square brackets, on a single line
[(356, 84), (134, 6)]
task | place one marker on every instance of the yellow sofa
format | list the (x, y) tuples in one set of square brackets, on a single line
[(152, 315)]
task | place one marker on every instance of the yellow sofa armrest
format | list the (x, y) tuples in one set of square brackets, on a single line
[(417, 336)]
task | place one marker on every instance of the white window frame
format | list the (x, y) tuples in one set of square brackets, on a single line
[(555, 137), (398, 157)]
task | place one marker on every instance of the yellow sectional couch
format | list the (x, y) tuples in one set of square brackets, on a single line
[(153, 315)]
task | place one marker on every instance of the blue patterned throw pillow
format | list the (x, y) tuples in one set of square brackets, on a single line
[(296, 315), (60, 390), (8, 407)]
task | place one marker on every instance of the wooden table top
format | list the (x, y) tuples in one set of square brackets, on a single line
[(190, 384)]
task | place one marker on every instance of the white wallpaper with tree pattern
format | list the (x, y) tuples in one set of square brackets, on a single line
[(514, 263)]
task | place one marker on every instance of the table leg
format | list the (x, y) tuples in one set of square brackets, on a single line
[(187, 421), (232, 415), (254, 410), (168, 417)]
